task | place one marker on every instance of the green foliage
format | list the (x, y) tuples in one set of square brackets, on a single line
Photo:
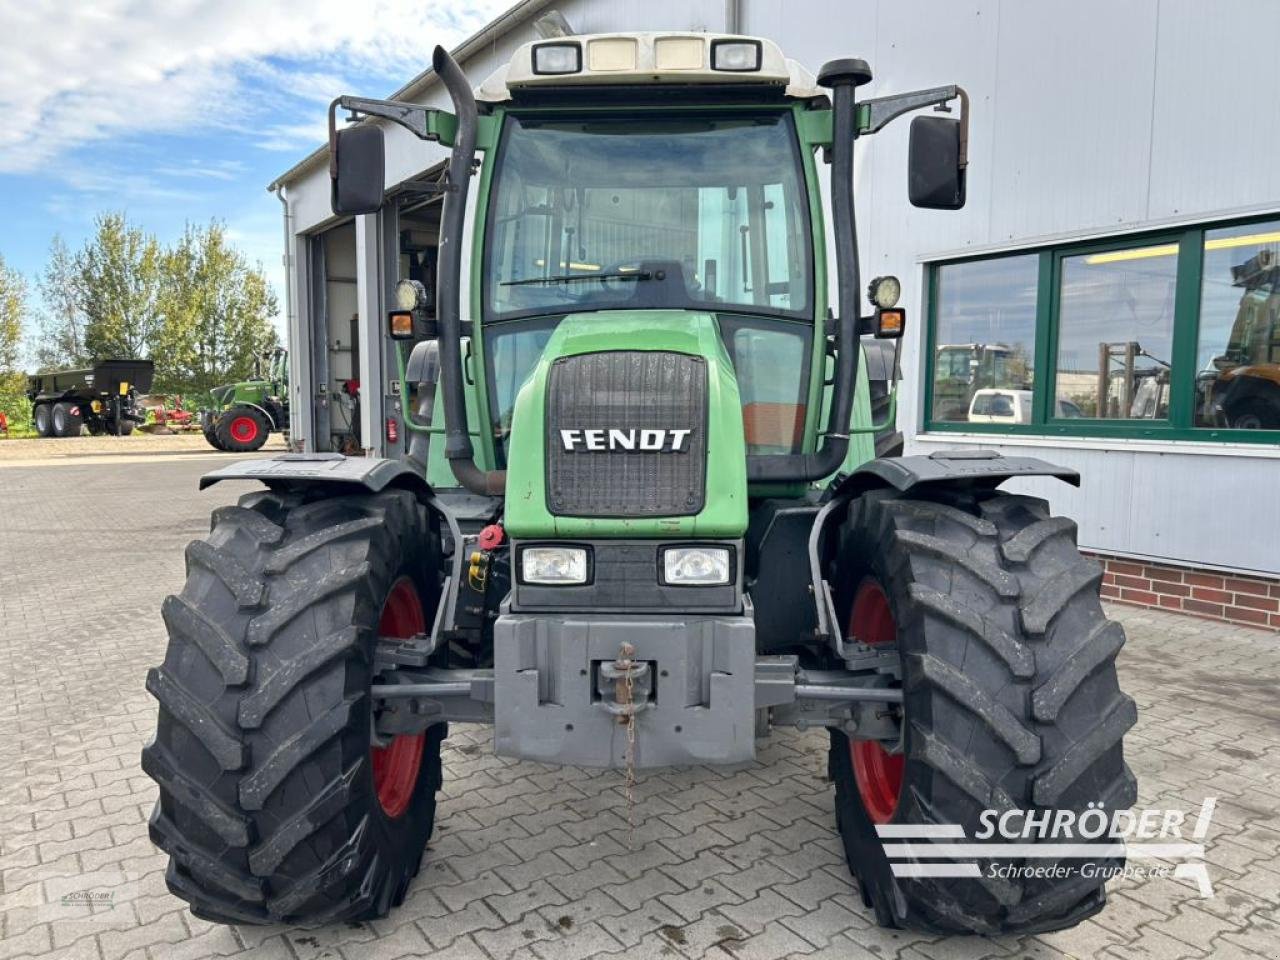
[(120, 280), (215, 312), (60, 341), (197, 307), (13, 383)]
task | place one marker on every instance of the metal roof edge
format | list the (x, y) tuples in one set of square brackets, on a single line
[(512, 18)]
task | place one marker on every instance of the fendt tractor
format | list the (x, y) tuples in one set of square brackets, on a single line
[(250, 410), (639, 523)]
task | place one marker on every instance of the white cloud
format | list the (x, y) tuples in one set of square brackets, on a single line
[(228, 171), (72, 75), (292, 137)]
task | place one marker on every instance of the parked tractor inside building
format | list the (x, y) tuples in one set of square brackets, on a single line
[(251, 410), (640, 522), (1240, 388)]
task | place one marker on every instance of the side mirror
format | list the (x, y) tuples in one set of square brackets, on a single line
[(356, 161), (935, 176)]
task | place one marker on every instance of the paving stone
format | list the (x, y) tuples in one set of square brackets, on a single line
[(1152, 944), (821, 924), (578, 943), (513, 906)]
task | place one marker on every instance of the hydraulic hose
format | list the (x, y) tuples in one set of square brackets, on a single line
[(457, 444), (843, 77)]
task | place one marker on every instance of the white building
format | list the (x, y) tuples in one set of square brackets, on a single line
[(1122, 163)]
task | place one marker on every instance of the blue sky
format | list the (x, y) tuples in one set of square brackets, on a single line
[(180, 111)]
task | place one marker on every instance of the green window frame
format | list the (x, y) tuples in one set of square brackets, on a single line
[(1180, 424)]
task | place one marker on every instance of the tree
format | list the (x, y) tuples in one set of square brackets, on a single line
[(60, 342), (196, 308), (215, 313), (120, 280), (13, 306)]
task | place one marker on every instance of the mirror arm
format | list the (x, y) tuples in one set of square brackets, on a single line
[(874, 115), (425, 123), (414, 118)]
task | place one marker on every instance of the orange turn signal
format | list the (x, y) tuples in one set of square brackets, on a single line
[(400, 324), (891, 322)]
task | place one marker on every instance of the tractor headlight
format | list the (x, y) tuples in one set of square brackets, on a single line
[(554, 566), (553, 58), (735, 56), (695, 566), (884, 292), (410, 294)]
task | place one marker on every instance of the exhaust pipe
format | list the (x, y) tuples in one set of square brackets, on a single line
[(843, 77), (457, 443)]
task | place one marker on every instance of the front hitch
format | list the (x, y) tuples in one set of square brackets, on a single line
[(625, 684)]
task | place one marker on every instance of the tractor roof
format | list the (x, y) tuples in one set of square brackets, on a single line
[(651, 59)]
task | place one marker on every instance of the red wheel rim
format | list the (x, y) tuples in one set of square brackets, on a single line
[(244, 429), (877, 772), (396, 766)]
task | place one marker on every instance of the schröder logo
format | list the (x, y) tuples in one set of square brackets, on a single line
[(1074, 842)]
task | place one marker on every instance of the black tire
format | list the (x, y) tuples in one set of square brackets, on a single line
[(67, 419), (242, 429), (1254, 415), (126, 428), (1010, 700), (268, 806), (43, 418), (210, 430)]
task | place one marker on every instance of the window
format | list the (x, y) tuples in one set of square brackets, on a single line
[(1172, 335), (512, 351), (985, 325), (771, 361), (681, 213), (1238, 355), (1115, 332)]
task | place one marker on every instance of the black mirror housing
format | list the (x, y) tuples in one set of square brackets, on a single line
[(356, 169), (935, 177)]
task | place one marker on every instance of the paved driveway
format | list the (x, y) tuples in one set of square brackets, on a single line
[(531, 860)]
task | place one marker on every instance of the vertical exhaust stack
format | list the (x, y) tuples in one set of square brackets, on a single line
[(843, 77), (457, 445)]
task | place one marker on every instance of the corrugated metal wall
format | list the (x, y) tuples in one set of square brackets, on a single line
[(1088, 118)]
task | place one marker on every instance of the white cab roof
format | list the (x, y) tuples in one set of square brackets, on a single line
[(649, 58)]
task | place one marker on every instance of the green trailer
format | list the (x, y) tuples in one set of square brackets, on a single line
[(640, 522), (249, 411)]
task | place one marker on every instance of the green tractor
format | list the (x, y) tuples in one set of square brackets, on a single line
[(640, 522), (251, 410)]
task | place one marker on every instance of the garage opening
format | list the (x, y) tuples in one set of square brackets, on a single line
[(335, 339)]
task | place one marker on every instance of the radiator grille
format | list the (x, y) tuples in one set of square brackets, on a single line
[(631, 390)]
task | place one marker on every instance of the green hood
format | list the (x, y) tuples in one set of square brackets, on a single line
[(725, 512)]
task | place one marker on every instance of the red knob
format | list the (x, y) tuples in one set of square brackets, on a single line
[(491, 536)]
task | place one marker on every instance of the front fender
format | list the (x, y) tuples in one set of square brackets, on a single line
[(305, 469), (966, 468)]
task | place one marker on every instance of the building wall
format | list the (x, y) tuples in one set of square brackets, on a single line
[(1089, 119)]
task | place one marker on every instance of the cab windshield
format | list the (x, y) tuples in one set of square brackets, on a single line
[(705, 213)]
